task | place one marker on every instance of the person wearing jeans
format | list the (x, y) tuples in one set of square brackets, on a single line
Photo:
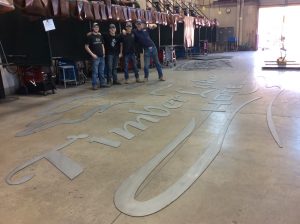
[(131, 57), (143, 37), (152, 52), (95, 48), (128, 46), (112, 50), (98, 72), (112, 66)]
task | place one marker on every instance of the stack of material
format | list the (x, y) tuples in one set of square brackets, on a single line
[(281, 63)]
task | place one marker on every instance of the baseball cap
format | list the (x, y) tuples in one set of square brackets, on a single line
[(112, 26), (128, 24), (95, 24), (139, 21)]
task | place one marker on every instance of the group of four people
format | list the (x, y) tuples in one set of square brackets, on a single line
[(113, 47)]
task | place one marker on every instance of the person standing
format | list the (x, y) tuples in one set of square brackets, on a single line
[(95, 48), (143, 37), (112, 52), (128, 46)]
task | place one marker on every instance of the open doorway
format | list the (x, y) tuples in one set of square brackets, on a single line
[(275, 22)]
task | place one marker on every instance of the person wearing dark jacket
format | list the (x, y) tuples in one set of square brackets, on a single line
[(112, 52), (128, 46), (143, 37)]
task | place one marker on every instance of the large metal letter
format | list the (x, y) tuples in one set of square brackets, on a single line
[(67, 166), (149, 111), (51, 157), (138, 125)]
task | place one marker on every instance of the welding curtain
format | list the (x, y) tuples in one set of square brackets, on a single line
[(189, 29)]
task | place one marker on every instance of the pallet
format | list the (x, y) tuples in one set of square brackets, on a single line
[(290, 65)]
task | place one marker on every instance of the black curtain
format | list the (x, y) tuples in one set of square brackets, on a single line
[(68, 39), (23, 36), (24, 40), (178, 35)]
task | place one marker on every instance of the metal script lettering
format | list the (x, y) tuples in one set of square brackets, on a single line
[(218, 105), (150, 110), (125, 195), (271, 122), (226, 91), (24, 179), (45, 125), (213, 110), (67, 166), (138, 125), (203, 94), (105, 141), (154, 92), (178, 98), (204, 86), (252, 91), (223, 97), (50, 109), (172, 104), (192, 93), (234, 86)]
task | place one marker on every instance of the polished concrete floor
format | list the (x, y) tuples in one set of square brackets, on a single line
[(254, 178)]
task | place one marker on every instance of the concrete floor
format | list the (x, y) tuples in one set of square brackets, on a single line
[(251, 180)]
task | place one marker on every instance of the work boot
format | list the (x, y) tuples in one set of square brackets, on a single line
[(104, 86), (117, 82), (138, 80), (162, 78)]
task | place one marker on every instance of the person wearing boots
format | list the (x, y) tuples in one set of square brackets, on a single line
[(95, 48), (112, 52), (142, 36), (128, 46)]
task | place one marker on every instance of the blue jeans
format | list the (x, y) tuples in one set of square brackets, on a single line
[(132, 57), (112, 65), (151, 52), (98, 71), (106, 69)]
